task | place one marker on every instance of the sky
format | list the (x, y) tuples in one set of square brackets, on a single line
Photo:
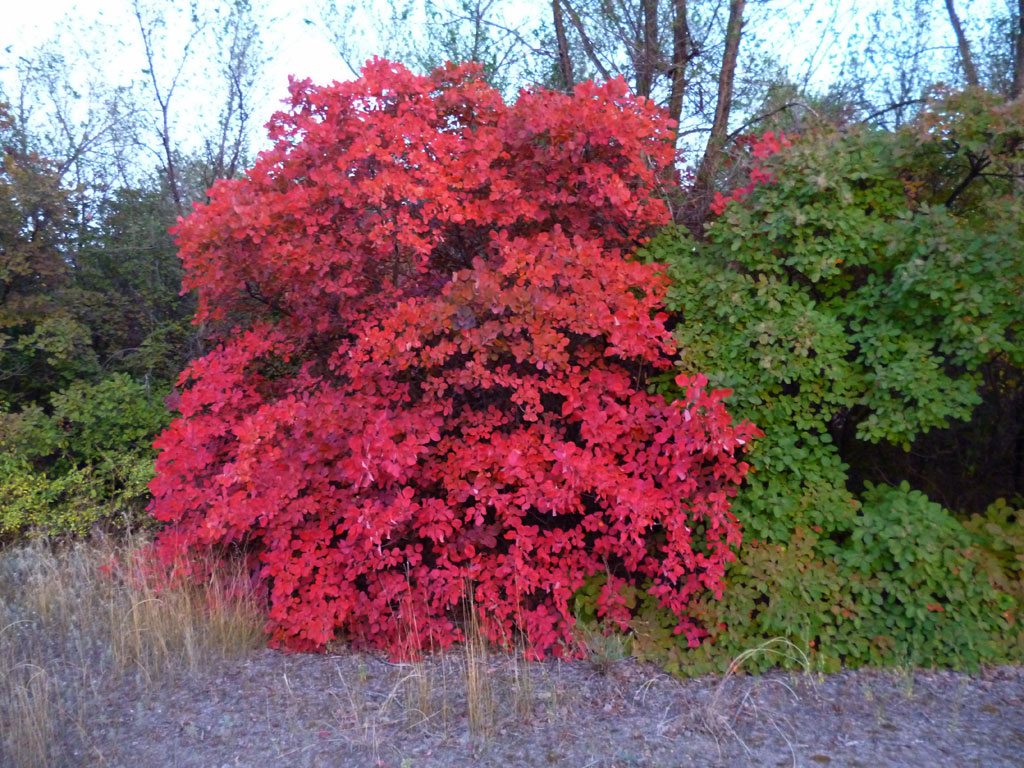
[(300, 48), (297, 47)]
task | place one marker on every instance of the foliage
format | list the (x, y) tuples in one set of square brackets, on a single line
[(90, 332), (129, 279), (436, 378), (999, 554), (918, 593), (855, 299), (86, 462), (43, 343)]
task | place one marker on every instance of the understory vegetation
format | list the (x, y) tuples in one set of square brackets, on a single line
[(451, 368)]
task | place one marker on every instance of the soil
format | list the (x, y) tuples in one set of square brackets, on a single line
[(272, 709)]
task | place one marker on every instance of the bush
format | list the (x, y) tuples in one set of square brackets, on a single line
[(856, 295), (919, 594), (435, 384), (87, 462)]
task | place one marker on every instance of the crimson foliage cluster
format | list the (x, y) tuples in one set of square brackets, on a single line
[(430, 378)]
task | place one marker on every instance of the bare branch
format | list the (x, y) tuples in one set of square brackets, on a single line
[(588, 46)]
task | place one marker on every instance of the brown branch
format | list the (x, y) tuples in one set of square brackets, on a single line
[(891, 107), (588, 46), (760, 118), (977, 165), (253, 291), (704, 183)]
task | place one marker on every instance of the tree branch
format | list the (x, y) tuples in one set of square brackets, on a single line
[(588, 46)]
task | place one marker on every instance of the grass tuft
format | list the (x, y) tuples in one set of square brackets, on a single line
[(78, 619)]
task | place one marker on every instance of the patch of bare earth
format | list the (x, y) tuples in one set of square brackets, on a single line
[(273, 709)]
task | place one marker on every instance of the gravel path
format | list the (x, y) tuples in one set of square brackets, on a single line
[(271, 709)]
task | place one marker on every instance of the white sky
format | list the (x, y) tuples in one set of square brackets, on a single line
[(302, 49), (297, 47)]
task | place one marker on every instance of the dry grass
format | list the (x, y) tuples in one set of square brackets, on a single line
[(69, 631), (729, 701), (76, 632), (79, 641), (479, 693)]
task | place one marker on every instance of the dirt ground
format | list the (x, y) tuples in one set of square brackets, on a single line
[(271, 709)]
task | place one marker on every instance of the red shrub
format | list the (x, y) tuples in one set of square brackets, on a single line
[(437, 376)]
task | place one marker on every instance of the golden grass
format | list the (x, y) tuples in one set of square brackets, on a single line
[(77, 634), (68, 628)]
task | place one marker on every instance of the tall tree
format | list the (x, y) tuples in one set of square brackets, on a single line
[(963, 47), (43, 342), (236, 35), (426, 33), (564, 60), (683, 52), (176, 44), (164, 84), (703, 188), (1017, 87)]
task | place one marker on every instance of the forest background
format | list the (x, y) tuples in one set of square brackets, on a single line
[(864, 306)]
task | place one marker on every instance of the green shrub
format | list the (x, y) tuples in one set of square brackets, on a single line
[(998, 552), (117, 415), (88, 462), (919, 593), (856, 299)]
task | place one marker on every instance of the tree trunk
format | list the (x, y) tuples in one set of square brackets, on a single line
[(704, 185), (682, 55), (564, 62), (647, 55), (963, 46), (1017, 87)]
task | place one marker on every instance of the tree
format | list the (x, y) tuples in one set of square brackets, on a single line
[(73, 451), (1002, 54), (963, 47), (429, 385), (229, 28), (1017, 37), (683, 56), (428, 33), (703, 186), (236, 33), (43, 341)]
